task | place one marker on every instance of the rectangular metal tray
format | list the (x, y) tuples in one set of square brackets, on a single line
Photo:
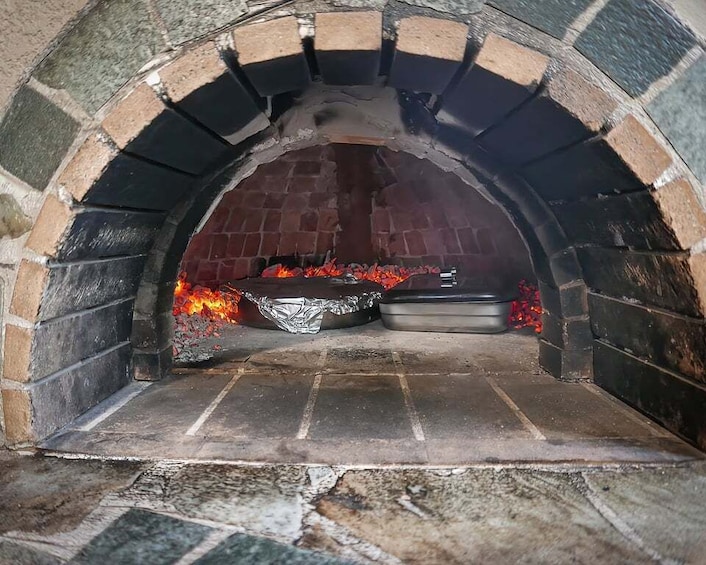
[(448, 317), (426, 303)]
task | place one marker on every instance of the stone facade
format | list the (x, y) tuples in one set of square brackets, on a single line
[(622, 149)]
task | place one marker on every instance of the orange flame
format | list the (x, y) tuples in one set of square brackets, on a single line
[(211, 304), (385, 275), (223, 306)]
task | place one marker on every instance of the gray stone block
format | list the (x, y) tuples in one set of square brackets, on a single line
[(34, 137), (188, 19), (102, 52), (635, 42), (78, 286), (565, 364), (62, 343), (680, 112), (61, 398), (674, 402), (97, 234), (552, 16), (676, 343), (659, 279), (455, 7)]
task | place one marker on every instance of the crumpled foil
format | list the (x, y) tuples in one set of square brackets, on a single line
[(305, 315)]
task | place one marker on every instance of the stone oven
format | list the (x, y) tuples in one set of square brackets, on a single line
[(561, 144)]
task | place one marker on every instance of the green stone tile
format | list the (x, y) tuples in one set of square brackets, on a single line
[(102, 52), (635, 42), (250, 550), (188, 19), (680, 112), (552, 16), (34, 137), (16, 554), (142, 537)]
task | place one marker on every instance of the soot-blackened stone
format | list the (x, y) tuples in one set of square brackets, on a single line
[(277, 76), (480, 99), (226, 108), (153, 333), (60, 399), (565, 266), (676, 343), (566, 334), (174, 141), (625, 220), (78, 286), (421, 74), (348, 68), (671, 400), (552, 238), (661, 279), (538, 128), (569, 302), (583, 170), (96, 234), (635, 43), (133, 183), (565, 364), (151, 366), (61, 343)]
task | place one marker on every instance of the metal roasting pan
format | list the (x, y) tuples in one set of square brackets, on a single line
[(249, 315), (425, 303), (450, 317)]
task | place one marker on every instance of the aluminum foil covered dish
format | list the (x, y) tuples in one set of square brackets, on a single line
[(304, 305)]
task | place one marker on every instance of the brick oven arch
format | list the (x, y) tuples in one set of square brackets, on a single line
[(609, 210)]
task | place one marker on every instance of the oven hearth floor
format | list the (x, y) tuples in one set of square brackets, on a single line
[(368, 396)]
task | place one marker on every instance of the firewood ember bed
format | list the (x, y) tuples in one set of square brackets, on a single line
[(202, 314)]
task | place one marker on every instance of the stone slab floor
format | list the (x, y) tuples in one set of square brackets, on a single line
[(356, 446), (368, 396), (55, 510)]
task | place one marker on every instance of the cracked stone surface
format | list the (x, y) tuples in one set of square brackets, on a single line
[(475, 516), (172, 512), (263, 500), (50, 495)]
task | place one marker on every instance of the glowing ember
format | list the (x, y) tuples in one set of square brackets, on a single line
[(527, 309), (222, 306), (385, 275), (210, 304)]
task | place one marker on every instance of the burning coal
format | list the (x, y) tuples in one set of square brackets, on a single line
[(385, 275), (221, 306), (210, 304), (527, 309)]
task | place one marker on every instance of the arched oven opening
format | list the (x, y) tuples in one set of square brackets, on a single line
[(463, 177)]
